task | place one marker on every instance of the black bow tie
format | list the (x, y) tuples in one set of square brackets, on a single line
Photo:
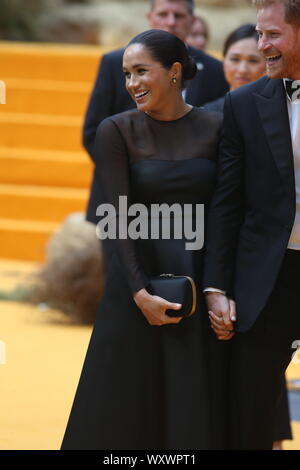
[(292, 89)]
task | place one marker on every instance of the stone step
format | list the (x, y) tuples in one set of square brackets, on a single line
[(46, 61), (41, 131), (40, 203), (45, 167), (25, 239), (46, 96)]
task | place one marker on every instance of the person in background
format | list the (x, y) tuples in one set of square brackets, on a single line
[(244, 64), (198, 36), (110, 97)]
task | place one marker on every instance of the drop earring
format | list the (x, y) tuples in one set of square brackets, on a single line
[(174, 79)]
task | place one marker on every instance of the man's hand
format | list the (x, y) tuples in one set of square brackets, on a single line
[(222, 314)]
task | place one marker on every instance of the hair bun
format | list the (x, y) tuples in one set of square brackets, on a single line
[(189, 69)]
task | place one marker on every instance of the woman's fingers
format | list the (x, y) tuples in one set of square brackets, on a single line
[(216, 319), (226, 337), (158, 313), (217, 322), (232, 310), (172, 306)]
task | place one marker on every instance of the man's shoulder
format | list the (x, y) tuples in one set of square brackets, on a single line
[(251, 88), (114, 55)]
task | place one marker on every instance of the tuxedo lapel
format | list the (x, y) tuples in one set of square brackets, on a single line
[(272, 107)]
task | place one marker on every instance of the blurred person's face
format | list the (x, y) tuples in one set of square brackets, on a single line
[(148, 82), (279, 42), (173, 17), (243, 64), (197, 36)]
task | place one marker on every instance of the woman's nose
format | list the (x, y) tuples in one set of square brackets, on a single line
[(243, 66), (133, 81)]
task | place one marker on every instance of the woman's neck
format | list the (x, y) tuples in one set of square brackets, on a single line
[(175, 110)]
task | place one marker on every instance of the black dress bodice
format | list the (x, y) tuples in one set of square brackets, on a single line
[(156, 162)]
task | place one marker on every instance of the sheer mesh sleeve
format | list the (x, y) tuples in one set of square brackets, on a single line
[(112, 173)]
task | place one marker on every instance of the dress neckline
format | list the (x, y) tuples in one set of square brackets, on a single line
[(173, 120)]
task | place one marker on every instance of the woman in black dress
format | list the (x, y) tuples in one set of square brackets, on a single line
[(146, 381)]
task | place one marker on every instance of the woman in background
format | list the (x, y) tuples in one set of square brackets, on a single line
[(199, 34), (243, 64)]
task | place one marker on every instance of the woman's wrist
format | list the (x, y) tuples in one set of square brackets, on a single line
[(140, 295)]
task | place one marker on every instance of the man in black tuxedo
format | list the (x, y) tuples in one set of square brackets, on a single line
[(253, 231), (110, 96)]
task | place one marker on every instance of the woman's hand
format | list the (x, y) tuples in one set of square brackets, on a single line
[(223, 331), (154, 308)]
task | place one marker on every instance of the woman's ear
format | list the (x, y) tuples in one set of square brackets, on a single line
[(176, 72)]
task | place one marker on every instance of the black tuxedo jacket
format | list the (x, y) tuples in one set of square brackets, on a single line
[(110, 97), (253, 209)]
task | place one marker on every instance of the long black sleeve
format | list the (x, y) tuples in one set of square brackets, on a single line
[(112, 173)]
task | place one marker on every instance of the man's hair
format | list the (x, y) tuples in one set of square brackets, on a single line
[(189, 4), (292, 9)]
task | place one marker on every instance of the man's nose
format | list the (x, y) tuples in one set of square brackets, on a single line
[(171, 20), (263, 44)]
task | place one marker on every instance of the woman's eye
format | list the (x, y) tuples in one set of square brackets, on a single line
[(141, 71), (234, 59), (126, 74)]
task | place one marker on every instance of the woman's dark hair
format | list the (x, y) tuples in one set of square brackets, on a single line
[(167, 49), (242, 32)]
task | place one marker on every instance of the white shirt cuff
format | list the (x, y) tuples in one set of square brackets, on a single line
[(212, 289)]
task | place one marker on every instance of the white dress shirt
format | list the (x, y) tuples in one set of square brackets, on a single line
[(294, 117)]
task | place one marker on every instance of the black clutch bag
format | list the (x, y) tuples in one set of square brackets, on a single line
[(175, 289)]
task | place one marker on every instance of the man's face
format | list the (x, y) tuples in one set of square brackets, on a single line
[(173, 17), (279, 42)]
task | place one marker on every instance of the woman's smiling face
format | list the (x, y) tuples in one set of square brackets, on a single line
[(148, 82)]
